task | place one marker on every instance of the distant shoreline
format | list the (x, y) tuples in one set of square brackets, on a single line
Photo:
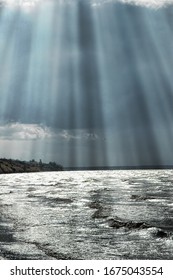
[(142, 167), (8, 166)]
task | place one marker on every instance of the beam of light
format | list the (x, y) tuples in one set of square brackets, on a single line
[(111, 58), (91, 103), (98, 76), (143, 56), (39, 70), (151, 92), (9, 22)]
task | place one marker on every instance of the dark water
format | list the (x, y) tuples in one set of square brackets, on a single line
[(87, 215)]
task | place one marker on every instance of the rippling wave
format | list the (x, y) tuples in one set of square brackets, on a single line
[(87, 215)]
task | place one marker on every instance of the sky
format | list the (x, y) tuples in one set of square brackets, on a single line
[(87, 82)]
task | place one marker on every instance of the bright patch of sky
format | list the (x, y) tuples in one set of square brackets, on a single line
[(19, 131)]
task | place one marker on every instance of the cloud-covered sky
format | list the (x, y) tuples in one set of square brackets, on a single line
[(148, 3), (87, 84)]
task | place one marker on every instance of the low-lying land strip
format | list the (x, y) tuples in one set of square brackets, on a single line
[(18, 166)]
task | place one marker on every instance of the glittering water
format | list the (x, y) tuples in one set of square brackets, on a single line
[(70, 215)]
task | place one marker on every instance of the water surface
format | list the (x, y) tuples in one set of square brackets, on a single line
[(71, 215)]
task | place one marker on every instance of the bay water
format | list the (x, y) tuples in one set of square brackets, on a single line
[(117, 214)]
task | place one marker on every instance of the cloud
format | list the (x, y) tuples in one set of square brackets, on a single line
[(149, 3), (80, 134), (32, 3), (67, 135), (20, 131)]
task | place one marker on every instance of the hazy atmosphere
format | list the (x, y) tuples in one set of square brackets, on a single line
[(87, 83)]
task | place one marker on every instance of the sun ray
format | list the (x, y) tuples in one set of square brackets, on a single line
[(96, 73)]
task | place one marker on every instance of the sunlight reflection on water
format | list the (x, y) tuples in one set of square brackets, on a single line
[(68, 215)]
